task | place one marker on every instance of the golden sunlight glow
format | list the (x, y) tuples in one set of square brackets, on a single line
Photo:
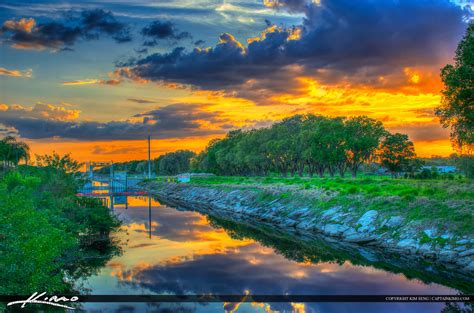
[(80, 82), (408, 108), (412, 75), (396, 109), (24, 24), (294, 33), (298, 307)]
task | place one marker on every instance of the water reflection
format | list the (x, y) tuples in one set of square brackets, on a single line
[(171, 251)]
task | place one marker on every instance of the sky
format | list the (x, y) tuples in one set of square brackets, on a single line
[(95, 78)]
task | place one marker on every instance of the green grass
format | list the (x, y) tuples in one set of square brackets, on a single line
[(370, 186)]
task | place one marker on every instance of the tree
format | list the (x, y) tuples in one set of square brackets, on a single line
[(311, 143), (13, 151), (362, 136), (465, 164), (332, 144), (457, 108), (63, 163), (174, 162), (396, 153)]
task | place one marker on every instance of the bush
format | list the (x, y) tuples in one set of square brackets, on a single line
[(43, 228)]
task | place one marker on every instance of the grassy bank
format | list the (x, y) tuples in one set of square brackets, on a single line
[(48, 236), (447, 204)]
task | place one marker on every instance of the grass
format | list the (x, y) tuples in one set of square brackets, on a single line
[(447, 204), (367, 185)]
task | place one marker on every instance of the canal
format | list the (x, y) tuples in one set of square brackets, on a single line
[(171, 251)]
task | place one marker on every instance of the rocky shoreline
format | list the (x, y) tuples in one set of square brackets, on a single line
[(372, 229)]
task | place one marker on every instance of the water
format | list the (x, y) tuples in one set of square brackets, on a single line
[(183, 253)]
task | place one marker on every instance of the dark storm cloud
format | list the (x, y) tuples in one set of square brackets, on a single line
[(97, 22), (172, 121), (355, 40), (86, 25), (158, 30), (199, 42)]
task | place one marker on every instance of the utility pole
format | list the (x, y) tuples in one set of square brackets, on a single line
[(149, 161)]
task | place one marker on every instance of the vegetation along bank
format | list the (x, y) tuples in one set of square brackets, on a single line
[(49, 237)]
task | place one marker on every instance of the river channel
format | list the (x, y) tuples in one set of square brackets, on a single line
[(171, 251)]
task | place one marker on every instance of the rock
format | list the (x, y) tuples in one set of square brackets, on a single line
[(368, 255), (408, 244), (448, 255), (359, 238), (298, 213), (334, 229), (431, 233), (470, 267), (447, 236), (307, 224), (337, 217), (394, 221), (464, 261), (289, 223), (463, 242), (460, 249), (467, 253), (367, 221), (329, 213), (427, 250)]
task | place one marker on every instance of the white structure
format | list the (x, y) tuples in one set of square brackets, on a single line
[(184, 178)]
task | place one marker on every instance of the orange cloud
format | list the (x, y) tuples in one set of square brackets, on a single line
[(24, 25), (16, 73), (294, 33), (112, 82), (41, 111)]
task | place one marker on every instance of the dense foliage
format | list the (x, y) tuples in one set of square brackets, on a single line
[(174, 162), (306, 143), (397, 153), (48, 236), (457, 109)]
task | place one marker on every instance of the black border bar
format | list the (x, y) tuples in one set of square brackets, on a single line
[(256, 298)]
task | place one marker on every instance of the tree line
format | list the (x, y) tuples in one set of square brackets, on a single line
[(309, 144), (171, 163)]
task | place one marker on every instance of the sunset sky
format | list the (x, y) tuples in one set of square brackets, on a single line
[(95, 77)]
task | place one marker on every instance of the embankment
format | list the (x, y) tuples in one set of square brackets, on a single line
[(303, 211)]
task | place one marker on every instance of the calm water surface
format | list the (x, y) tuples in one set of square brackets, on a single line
[(178, 252)]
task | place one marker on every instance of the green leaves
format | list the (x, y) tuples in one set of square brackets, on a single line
[(174, 162), (298, 144), (63, 163), (42, 229), (457, 108), (397, 152)]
